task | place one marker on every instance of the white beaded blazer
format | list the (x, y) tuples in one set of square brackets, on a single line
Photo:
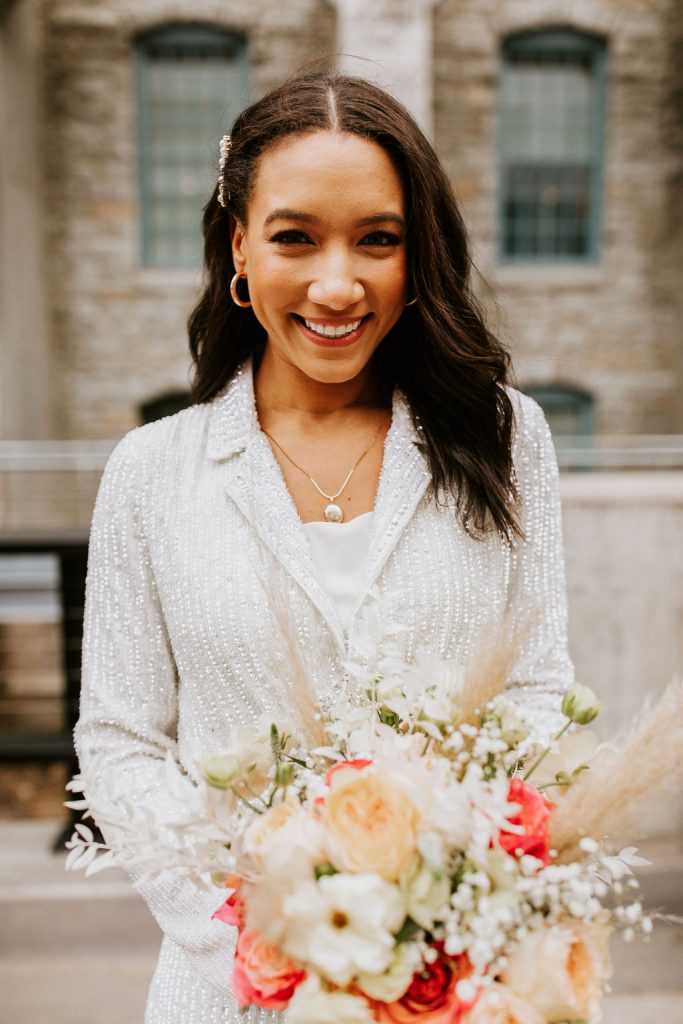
[(179, 643)]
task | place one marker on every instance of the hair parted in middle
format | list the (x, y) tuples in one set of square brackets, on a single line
[(449, 365)]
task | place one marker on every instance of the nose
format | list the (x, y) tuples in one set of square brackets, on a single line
[(335, 284)]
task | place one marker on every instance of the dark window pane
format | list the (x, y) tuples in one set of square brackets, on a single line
[(192, 83), (550, 159)]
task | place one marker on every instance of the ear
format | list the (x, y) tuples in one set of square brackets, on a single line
[(239, 246)]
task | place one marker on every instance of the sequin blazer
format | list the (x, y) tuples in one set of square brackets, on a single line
[(178, 641)]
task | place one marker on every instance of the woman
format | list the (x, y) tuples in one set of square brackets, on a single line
[(352, 419)]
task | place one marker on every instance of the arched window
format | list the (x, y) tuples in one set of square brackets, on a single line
[(570, 411), (192, 82), (551, 142)]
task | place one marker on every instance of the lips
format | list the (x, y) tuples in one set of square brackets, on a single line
[(330, 333)]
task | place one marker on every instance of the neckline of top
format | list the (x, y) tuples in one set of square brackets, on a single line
[(337, 526)]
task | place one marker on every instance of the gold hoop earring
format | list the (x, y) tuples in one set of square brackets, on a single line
[(412, 302), (233, 291)]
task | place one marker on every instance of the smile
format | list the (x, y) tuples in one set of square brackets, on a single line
[(332, 334)]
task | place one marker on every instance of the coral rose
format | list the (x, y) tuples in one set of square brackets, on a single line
[(533, 817), (358, 763), (370, 823), (232, 911), (431, 997), (262, 975)]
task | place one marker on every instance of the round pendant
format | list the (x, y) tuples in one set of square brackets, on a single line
[(333, 514)]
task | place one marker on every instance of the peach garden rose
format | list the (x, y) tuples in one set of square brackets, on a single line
[(560, 970), (370, 823)]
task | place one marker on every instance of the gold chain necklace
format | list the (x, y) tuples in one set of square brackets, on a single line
[(333, 513)]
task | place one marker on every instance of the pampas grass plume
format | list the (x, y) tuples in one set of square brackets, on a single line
[(623, 775)]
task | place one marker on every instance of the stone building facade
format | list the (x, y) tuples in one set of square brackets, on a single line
[(89, 333)]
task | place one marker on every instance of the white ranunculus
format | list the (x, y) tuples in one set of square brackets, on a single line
[(248, 758), (513, 728), (343, 924), (498, 1004), (561, 970), (425, 892), (580, 704), (311, 1004), (394, 982)]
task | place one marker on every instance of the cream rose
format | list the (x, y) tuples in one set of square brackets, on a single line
[(498, 1004), (370, 823), (425, 893), (392, 984), (313, 1004), (560, 970)]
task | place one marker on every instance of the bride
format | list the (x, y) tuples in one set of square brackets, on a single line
[(353, 417)]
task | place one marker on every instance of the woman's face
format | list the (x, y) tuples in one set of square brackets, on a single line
[(324, 251)]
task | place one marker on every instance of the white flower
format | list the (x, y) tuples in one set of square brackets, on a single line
[(446, 805), (621, 863), (513, 728), (285, 840), (249, 757), (343, 924), (394, 982), (425, 892), (490, 811), (561, 970), (580, 704), (311, 1004)]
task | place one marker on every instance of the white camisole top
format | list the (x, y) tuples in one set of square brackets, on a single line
[(339, 552)]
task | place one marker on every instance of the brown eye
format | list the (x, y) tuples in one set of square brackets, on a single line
[(382, 239), (290, 238)]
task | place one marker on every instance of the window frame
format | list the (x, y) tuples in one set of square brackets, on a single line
[(560, 40), (173, 35)]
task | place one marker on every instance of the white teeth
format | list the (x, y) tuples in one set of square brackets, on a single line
[(333, 332)]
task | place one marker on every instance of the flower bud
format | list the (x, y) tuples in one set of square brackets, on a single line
[(580, 704), (221, 771)]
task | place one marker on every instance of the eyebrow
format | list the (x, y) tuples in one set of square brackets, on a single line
[(308, 218)]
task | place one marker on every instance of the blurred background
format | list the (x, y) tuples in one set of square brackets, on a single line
[(560, 123)]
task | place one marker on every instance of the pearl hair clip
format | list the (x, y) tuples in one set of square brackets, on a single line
[(226, 146)]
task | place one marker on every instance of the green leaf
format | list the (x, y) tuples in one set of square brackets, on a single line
[(324, 869), (388, 717), (407, 931)]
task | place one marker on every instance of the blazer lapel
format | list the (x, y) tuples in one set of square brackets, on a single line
[(404, 478), (254, 482)]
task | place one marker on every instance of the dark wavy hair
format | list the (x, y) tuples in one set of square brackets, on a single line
[(440, 353)]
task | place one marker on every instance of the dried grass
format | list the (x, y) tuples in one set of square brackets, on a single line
[(623, 775)]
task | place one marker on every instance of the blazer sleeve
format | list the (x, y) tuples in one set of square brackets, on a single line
[(537, 598), (128, 711)]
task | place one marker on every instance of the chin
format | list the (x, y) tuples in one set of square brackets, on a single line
[(333, 371)]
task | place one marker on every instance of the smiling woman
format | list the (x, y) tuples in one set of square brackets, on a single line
[(354, 430)]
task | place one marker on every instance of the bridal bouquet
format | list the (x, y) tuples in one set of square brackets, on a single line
[(419, 858)]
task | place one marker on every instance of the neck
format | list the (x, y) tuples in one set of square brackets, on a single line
[(282, 388)]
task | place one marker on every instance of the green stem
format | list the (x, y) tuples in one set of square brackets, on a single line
[(544, 753)]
